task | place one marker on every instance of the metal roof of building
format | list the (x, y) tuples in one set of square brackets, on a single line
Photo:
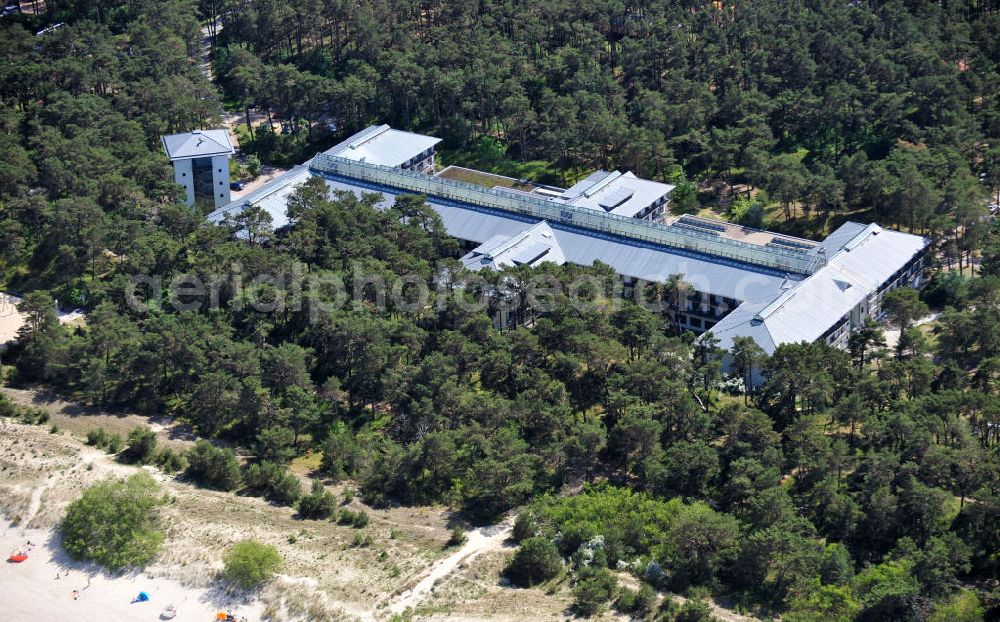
[(634, 258), (863, 258), (272, 197), (613, 192), (532, 246), (777, 307), (197, 144), (380, 144)]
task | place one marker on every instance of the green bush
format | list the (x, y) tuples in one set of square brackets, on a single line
[(140, 446), (537, 560), (639, 602), (97, 438), (525, 526), (594, 588), (31, 416), (114, 444), (115, 523), (170, 461), (249, 563), (354, 519), (273, 482), (213, 467), (7, 407), (319, 504), (253, 166), (361, 540), (457, 537), (694, 611)]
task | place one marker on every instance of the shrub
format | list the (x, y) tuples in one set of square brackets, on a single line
[(54, 429), (638, 602), (361, 540), (114, 444), (213, 467), (594, 588), (354, 519), (318, 504), (536, 560), (97, 438), (285, 490), (457, 537), (31, 416), (7, 407), (253, 166), (141, 446), (115, 523), (525, 526), (274, 482), (249, 563), (170, 461), (346, 517), (695, 611)]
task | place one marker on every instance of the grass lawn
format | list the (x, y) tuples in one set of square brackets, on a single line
[(487, 180)]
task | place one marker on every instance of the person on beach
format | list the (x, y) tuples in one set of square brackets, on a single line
[(76, 594)]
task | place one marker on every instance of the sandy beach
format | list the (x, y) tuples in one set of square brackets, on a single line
[(30, 590)]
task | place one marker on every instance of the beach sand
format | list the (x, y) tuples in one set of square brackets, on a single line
[(30, 591)]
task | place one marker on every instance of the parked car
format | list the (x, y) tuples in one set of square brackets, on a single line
[(237, 185)]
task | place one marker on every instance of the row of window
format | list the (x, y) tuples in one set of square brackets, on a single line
[(696, 322)]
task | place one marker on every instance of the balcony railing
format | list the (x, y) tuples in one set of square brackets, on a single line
[(785, 260)]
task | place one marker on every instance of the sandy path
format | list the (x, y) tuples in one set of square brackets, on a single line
[(479, 540)]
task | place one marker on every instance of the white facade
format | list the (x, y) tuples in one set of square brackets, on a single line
[(201, 165), (184, 176), (220, 180)]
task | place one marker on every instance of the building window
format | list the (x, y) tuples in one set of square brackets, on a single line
[(695, 322), (220, 195), (184, 174), (220, 170)]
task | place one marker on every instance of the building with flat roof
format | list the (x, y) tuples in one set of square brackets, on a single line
[(201, 165), (773, 287), (384, 146), (622, 194)]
